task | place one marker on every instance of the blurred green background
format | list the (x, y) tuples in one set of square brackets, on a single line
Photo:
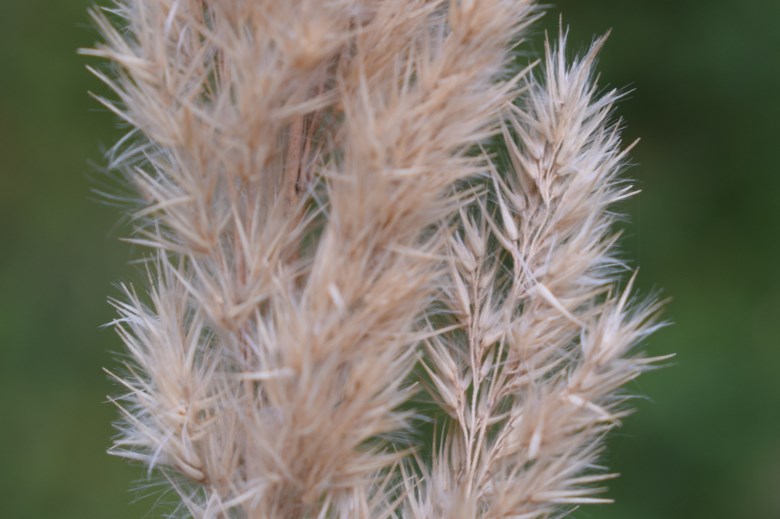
[(705, 443)]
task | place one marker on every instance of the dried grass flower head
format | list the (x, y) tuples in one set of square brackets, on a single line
[(361, 217)]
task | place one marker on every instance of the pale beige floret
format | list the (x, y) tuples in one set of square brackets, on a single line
[(322, 220)]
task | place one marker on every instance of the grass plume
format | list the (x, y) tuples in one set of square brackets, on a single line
[(323, 216)]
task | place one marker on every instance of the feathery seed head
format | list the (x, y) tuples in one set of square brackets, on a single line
[(324, 217)]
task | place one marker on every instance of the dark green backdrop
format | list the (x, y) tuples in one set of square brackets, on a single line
[(705, 443)]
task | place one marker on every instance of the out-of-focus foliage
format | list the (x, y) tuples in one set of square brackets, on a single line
[(704, 76)]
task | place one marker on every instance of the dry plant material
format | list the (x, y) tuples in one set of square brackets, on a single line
[(332, 246)]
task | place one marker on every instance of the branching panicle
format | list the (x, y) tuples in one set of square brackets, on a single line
[(314, 195)]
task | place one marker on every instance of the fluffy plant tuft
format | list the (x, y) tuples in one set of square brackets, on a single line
[(381, 270)]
